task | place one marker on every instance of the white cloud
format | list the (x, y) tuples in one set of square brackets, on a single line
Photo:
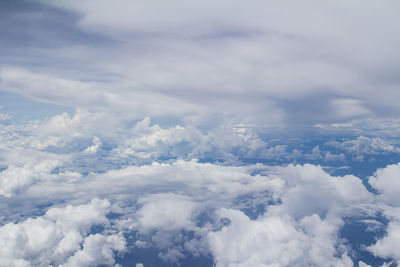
[(302, 230), (93, 95), (203, 72), (275, 240), (97, 250), (56, 238), (85, 133), (152, 141), (362, 264), (63, 132), (4, 116), (165, 211), (387, 246), (366, 145), (304, 191), (386, 181), (14, 177), (315, 154), (171, 256), (334, 157), (346, 108), (310, 190), (80, 216), (162, 200), (388, 127), (95, 147)]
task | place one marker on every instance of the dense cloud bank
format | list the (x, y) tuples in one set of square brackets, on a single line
[(302, 64), (88, 190)]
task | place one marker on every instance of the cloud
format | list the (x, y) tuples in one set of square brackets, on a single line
[(180, 143), (95, 147), (363, 145), (349, 108), (14, 178), (5, 117), (61, 236), (165, 211), (94, 95), (334, 157), (234, 61), (382, 127), (275, 240), (97, 250), (315, 154), (300, 197), (386, 182), (161, 200), (225, 142), (207, 186), (85, 135), (386, 247), (362, 264)]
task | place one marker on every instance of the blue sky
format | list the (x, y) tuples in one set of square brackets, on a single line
[(187, 133)]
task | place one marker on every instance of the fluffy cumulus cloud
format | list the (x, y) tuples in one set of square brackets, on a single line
[(61, 237), (386, 247), (385, 181), (156, 190), (84, 135), (276, 240), (363, 145), (14, 178), (153, 141), (237, 214)]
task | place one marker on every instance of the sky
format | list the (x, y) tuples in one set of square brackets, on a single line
[(199, 133)]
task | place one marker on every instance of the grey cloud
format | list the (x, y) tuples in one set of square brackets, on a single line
[(263, 58)]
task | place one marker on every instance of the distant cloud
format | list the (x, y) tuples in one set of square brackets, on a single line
[(363, 145), (334, 157), (4, 117), (245, 61)]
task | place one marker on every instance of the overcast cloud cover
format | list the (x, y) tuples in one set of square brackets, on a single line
[(199, 133)]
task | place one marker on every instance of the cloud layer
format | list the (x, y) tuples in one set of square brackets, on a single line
[(279, 66), (159, 193), (225, 133)]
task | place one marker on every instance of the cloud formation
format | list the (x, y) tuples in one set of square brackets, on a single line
[(226, 133), (263, 58), (61, 237), (173, 203)]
